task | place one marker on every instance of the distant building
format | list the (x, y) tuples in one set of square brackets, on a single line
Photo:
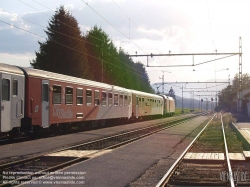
[(245, 107)]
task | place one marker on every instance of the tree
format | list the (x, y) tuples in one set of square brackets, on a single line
[(226, 95), (118, 68), (97, 43), (64, 50)]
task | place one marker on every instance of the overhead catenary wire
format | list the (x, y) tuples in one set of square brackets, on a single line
[(72, 36), (112, 25), (101, 16), (75, 29), (50, 29), (58, 20), (66, 46), (130, 20), (124, 12)]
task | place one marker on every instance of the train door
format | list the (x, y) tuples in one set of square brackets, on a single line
[(17, 100), (45, 103), (136, 107), (5, 103)]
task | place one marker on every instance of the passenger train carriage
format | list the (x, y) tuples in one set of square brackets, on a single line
[(169, 105), (33, 99), (12, 97)]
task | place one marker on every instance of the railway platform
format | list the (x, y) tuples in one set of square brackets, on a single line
[(243, 132), (133, 164), (58, 142)]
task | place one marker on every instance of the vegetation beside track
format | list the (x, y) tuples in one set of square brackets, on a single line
[(211, 140), (186, 110), (234, 145)]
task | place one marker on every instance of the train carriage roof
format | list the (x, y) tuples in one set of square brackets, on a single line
[(170, 98), (167, 97), (69, 79), (6, 68), (146, 94), (74, 80)]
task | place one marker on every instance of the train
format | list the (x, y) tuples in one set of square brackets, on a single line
[(33, 100)]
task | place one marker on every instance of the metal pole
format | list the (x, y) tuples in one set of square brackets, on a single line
[(102, 58), (163, 83), (182, 110), (240, 78), (211, 102), (199, 103), (201, 106)]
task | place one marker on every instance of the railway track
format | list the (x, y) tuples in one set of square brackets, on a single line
[(205, 162), (24, 137), (20, 171)]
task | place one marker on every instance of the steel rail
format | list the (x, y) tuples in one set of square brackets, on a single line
[(167, 176), (112, 147), (94, 141), (227, 157), (177, 122)]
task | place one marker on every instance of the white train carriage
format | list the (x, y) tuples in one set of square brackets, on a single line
[(169, 105), (12, 97), (146, 104)]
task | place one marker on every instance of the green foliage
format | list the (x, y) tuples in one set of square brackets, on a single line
[(118, 68), (226, 95), (64, 51), (92, 56), (185, 110)]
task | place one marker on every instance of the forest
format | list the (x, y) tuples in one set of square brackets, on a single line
[(90, 55)]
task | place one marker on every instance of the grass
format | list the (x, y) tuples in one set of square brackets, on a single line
[(186, 110)]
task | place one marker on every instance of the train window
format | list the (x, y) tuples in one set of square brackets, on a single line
[(45, 91), (104, 98), (89, 97), (121, 100), (14, 87), (125, 100), (116, 99), (69, 95), (110, 99), (57, 94), (142, 102), (79, 96), (139, 101), (6, 90), (97, 98)]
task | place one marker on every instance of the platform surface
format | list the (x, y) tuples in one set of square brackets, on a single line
[(124, 165), (244, 129), (51, 143)]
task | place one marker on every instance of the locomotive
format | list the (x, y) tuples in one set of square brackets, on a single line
[(33, 99)]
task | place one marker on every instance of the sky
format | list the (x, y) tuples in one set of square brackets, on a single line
[(145, 27)]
